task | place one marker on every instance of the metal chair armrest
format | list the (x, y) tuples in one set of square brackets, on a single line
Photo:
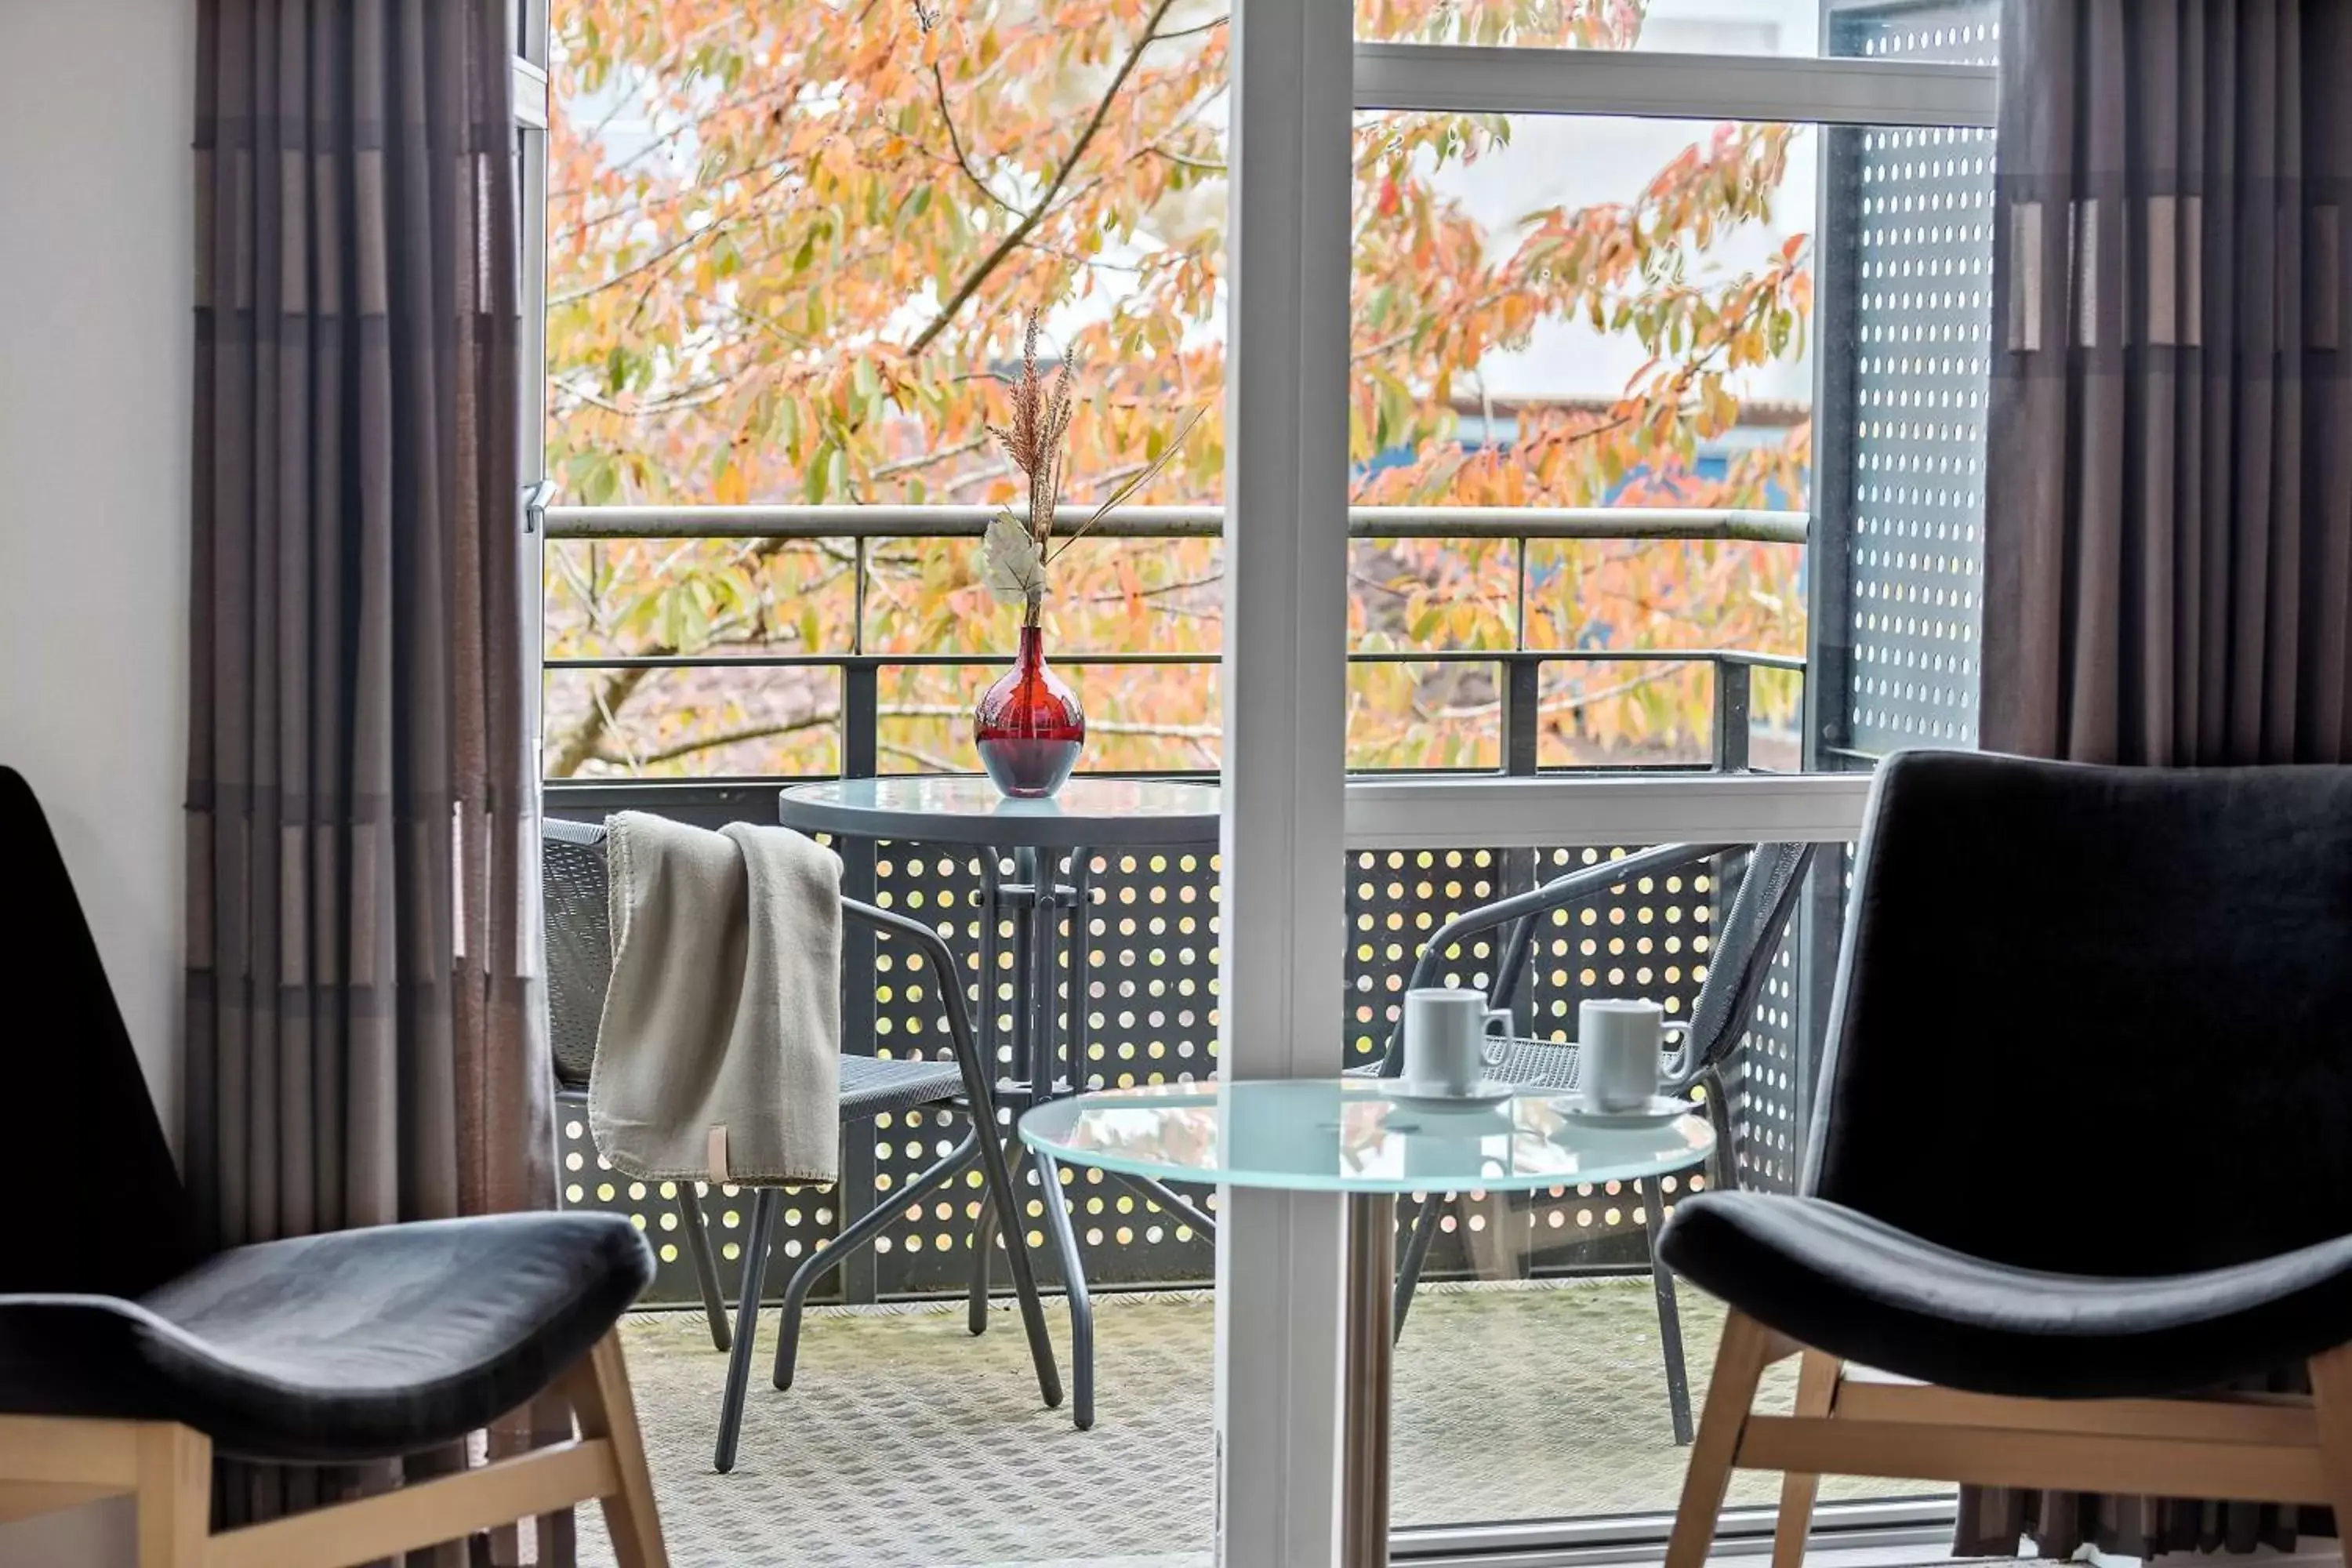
[(951, 989)]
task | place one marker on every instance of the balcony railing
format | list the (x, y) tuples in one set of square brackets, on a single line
[(1153, 926), (1519, 667)]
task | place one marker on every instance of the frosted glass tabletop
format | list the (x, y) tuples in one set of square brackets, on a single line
[(960, 808), (1347, 1135)]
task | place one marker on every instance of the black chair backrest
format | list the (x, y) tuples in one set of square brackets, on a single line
[(579, 923), (106, 1214), (2097, 1020)]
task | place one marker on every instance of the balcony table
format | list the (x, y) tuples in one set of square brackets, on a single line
[(1352, 1137), (1089, 815)]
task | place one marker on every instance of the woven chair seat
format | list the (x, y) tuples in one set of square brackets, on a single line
[(876, 1086), (1527, 1064)]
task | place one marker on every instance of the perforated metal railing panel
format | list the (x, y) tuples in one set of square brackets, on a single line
[(1914, 205), (1151, 929)]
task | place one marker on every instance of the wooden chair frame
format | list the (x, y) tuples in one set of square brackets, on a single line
[(2255, 1447), (50, 1462)]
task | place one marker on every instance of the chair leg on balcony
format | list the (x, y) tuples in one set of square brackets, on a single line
[(1416, 1253), (1074, 1281), (1003, 1199), (823, 1261), (984, 1236), (1670, 1326), (706, 1266), (746, 1326)]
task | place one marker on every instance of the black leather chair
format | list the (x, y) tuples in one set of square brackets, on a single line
[(2084, 1155), (130, 1354)]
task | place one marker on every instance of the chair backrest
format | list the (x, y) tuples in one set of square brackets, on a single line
[(1740, 959), (579, 925), (105, 1213), (2097, 1020)]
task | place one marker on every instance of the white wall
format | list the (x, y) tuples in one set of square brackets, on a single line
[(96, 113)]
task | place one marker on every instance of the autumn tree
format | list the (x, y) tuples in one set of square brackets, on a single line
[(791, 248)]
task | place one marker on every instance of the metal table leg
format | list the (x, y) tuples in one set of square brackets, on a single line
[(984, 1029), (1043, 1020), (1364, 1430), (1081, 962)]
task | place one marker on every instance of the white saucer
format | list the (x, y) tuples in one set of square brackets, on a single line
[(1486, 1093), (1662, 1109)]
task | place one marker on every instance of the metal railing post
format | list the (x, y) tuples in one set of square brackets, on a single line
[(1733, 693), (860, 754), (1522, 737)]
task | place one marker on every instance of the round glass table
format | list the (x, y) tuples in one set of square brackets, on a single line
[(958, 808), (1051, 844), (1353, 1138)]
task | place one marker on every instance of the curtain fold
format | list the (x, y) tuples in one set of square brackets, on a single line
[(2168, 504), (2168, 500), (365, 1042)]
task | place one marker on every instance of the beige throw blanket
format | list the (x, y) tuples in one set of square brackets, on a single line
[(718, 1055)]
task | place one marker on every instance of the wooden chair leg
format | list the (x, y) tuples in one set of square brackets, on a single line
[(599, 1391), (1817, 1381), (175, 1496), (2331, 1390), (1739, 1362)]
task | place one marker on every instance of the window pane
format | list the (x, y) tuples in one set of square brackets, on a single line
[(1688, 26), (1714, 377), (1554, 315)]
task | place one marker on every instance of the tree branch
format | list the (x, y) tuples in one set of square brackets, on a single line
[(732, 737), (585, 743), (909, 465), (1020, 232), (955, 141)]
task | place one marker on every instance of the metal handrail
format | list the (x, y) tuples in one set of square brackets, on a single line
[(1521, 666), (892, 521)]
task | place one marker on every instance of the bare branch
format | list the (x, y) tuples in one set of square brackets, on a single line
[(1021, 231), (909, 465), (734, 737), (955, 141)]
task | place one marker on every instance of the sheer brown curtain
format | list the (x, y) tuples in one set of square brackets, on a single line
[(2169, 508), (363, 1036)]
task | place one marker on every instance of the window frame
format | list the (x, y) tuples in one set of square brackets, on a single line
[(1290, 812)]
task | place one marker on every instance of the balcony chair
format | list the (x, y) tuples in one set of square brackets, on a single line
[(2084, 1159), (871, 1086), (578, 923), (1737, 964), (129, 1356)]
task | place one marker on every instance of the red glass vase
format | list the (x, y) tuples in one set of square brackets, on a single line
[(1029, 727)]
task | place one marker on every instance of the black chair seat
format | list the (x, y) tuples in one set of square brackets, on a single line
[(1841, 1281), (874, 1086), (358, 1344)]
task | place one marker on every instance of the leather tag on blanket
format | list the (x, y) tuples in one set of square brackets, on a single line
[(719, 1156)]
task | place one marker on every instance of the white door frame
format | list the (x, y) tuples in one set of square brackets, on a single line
[(1297, 78), (1283, 899)]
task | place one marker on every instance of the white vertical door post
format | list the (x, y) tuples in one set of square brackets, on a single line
[(1284, 692)]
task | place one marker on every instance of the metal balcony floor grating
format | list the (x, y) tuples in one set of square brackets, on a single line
[(906, 1443)]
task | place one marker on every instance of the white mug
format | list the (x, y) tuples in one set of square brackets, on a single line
[(1450, 1040), (1620, 1043)]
